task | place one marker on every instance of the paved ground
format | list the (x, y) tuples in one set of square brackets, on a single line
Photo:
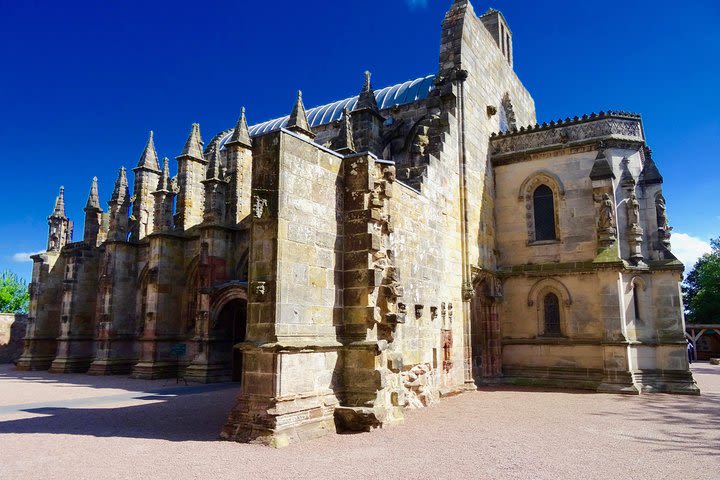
[(80, 427)]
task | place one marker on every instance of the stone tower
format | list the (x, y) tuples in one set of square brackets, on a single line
[(147, 175), (93, 216), (60, 226), (191, 172), (367, 122)]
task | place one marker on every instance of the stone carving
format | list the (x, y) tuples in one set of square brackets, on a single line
[(633, 210), (601, 126), (498, 293), (607, 228), (260, 289), (468, 291), (419, 386), (259, 206), (661, 212), (664, 228), (143, 222), (447, 344), (635, 232), (394, 288), (607, 214), (507, 113)]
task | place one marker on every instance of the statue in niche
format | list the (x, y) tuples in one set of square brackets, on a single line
[(633, 210), (143, 224), (661, 211), (606, 223)]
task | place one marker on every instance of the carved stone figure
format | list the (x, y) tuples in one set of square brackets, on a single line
[(633, 210), (607, 215), (143, 224), (661, 212)]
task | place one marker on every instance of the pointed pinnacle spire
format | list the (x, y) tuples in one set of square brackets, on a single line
[(93, 201), (650, 173), (164, 182), (149, 158), (121, 192), (59, 209), (213, 172), (367, 100), (298, 121), (193, 147), (241, 134), (344, 142), (601, 168)]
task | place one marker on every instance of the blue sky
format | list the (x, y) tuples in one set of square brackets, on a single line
[(84, 81)]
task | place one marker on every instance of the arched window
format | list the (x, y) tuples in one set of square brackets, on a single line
[(544, 210), (636, 302), (551, 315)]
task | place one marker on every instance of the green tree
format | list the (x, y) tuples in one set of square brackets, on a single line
[(702, 288), (14, 297)]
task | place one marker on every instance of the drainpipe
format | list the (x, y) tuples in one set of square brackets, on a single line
[(467, 288)]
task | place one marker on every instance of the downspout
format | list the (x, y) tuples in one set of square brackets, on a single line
[(467, 288)]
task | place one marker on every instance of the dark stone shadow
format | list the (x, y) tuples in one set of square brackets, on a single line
[(530, 388), (194, 414)]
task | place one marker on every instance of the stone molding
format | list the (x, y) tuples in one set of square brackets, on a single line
[(508, 146)]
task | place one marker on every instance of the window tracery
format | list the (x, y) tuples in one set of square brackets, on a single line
[(542, 193)]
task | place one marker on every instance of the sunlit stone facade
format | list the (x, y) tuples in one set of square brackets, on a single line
[(354, 260)]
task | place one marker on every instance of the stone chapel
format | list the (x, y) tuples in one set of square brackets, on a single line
[(350, 261)]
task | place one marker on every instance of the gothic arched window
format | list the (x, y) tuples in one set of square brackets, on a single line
[(544, 211), (551, 315)]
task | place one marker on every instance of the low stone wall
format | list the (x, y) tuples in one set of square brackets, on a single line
[(12, 331)]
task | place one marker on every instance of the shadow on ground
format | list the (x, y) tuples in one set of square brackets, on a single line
[(8, 372), (187, 417), (698, 417)]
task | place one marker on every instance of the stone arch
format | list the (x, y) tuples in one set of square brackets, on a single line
[(228, 326), (226, 293), (485, 332), (526, 194), (634, 282), (638, 307), (552, 284), (539, 295), (141, 299), (541, 177)]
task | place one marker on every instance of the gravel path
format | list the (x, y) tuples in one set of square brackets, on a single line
[(81, 427)]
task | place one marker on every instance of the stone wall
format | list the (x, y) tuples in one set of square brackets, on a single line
[(12, 331), (621, 322)]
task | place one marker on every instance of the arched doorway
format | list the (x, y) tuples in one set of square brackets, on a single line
[(486, 337), (228, 330)]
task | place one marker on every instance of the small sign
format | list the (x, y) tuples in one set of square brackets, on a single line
[(179, 349)]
